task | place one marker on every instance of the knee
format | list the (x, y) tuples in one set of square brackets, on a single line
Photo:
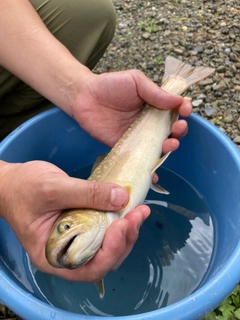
[(85, 27), (67, 18), (92, 24), (93, 15)]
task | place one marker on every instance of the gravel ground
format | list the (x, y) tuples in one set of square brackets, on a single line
[(202, 33)]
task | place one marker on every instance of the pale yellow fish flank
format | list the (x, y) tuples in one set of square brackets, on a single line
[(78, 234)]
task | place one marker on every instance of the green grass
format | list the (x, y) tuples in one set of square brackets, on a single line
[(159, 60), (148, 25), (229, 309), (217, 122)]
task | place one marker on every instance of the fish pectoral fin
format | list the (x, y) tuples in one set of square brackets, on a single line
[(160, 162), (157, 188), (100, 288)]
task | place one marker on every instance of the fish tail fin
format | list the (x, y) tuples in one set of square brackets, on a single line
[(179, 76)]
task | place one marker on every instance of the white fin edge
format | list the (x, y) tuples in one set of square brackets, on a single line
[(157, 188), (100, 288), (160, 162)]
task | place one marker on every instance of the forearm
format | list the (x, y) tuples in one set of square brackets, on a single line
[(32, 53)]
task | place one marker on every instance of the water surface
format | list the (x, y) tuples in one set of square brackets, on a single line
[(168, 262)]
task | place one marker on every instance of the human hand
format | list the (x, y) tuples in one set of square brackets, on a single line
[(36, 192), (108, 103)]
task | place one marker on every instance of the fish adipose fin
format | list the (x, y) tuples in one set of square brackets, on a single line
[(100, 288)]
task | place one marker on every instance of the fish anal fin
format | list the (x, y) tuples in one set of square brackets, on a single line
[(100, 288), (157, 188), (160, 162)]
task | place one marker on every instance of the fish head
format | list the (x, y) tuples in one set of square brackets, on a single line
[(75, 238)]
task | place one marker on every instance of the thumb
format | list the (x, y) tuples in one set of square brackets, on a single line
[(78, 193), (151, 93)]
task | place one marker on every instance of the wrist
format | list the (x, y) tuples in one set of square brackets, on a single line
[(5, 168), (75, 78)]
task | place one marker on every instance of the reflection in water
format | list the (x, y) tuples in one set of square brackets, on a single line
[(168, 262), (171, 244)]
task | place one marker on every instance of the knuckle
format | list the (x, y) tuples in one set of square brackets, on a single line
[(134, 73), (48, 191), (96, 194)]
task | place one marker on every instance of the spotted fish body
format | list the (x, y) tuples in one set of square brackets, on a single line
[(133, 160), (78, 233)]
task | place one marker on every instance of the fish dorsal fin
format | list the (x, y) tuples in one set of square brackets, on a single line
[(160, 162), (157, 188), (98, 160), (100, 288)]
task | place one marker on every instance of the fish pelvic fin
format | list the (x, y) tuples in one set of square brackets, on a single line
[(160, 162), (157, 188), (100, 288), (179, 76)]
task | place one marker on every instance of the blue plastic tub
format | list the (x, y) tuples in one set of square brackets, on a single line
[(207, 159)]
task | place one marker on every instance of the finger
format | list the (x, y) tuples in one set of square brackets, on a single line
[(135, 219), (155, 178), (185, 108), (154, 95), (113, 247), (179, 129), (69, 193), (170, 145)]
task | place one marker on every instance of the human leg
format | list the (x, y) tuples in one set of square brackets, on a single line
[(85, 27)]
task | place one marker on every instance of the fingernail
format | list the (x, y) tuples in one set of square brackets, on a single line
[(118, 197)]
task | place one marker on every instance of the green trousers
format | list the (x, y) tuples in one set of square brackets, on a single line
[(85, 27)]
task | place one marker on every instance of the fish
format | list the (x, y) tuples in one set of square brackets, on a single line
[(78, 233)]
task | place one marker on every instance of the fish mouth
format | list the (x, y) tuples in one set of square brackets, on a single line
[(72, 265), (62, 253), (65, 262)]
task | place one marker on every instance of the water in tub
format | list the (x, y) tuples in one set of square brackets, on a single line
[(169, 261)]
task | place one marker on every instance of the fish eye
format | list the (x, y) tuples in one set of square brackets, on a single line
[(63, 226)]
